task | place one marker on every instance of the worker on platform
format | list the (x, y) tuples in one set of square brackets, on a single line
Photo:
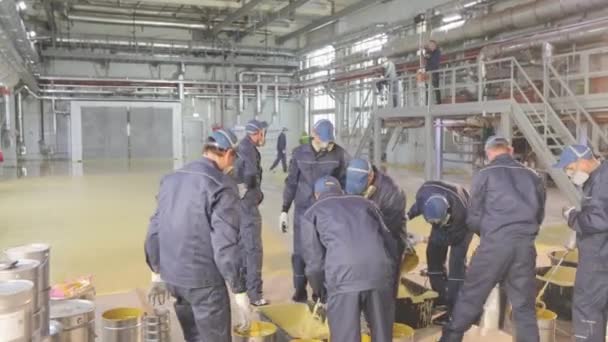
[(444, 205), (432, 64), (309, 162), (281, 151), (348, 250), (363, 178), (506, 210), (192, 244), (248, 172), (590, 222)]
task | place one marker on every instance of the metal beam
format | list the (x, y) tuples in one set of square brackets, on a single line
[(283, 12), (317, 24), (236, 15)]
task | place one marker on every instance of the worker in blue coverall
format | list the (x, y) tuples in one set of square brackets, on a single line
[(444, 205), (432, 64), (192, 244), (507, 207), (281, 151), (363, 178), (590, 222), (348, 250), (248, 172), (309, 162)]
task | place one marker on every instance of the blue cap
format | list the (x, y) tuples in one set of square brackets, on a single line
[(325, 130), (224, 139), (571, 154), (254, 126), (328, 184), (496, 141), (435, 209), (357, 175)]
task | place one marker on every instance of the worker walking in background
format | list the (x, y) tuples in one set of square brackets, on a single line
[(192, 244), (590, 302), (444, 206), (249, 176), (507, 208), (347, 247), (281, 151), (363, 178), (321, 157), (432, 63)]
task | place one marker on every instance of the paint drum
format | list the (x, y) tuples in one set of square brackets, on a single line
[(40, 252), (16, 310), (122, 325), (26, 269), (77, 318), (546, 325), (401, 333), (55, 329), (157, 327), (258, 332)]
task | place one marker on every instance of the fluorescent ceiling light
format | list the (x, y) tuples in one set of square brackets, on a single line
[(471, 4), (451, 26), (451, 18), (21, 6), (32, 34), (195, 115)]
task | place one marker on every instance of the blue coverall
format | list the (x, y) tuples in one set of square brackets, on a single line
[(281, 152)]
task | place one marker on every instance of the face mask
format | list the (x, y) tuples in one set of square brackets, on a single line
[(445, 220), (369, 192), (229, 171), (319, 146), (579, 178)]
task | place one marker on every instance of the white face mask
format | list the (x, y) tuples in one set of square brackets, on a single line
[(579, 178)]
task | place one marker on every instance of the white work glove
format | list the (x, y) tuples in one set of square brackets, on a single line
[(158, 293), (571, 242), (284, 222), (319, 311), (566, 212), (243, 312)]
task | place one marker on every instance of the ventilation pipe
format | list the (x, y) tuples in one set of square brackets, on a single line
[(21, 149), (276, 95), (517, 17)]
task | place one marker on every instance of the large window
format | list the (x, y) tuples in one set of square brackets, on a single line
[(323, 57)]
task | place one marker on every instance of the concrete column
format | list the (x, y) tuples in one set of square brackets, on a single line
[(438, 149), (429, 151), (506, 126), (9, 141), (378, 146)]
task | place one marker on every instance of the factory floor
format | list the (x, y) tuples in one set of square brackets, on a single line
[(95, 217)]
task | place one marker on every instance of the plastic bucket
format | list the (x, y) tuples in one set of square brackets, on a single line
[(258, 332), (401, 333), (122, 325)]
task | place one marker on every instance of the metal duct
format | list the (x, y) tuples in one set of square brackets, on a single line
[(21, 138), (133, 21), (281, 13), (172, 45), (517, 17)]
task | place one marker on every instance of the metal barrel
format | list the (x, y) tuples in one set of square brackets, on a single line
[(258, 332), (16, 310), (26, 269), (546, 325), (55, 329), (122, 325), (40, 252), (157, 327), (77, 318)]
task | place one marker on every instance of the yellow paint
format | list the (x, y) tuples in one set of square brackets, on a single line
[(571, 256), (409, 263), (401, 332), (562, 276), (120, 314), (258, 329), (296, 320), (545, 315), (404, 292)]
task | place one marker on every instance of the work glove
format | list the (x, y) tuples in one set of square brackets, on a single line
[(243, 312), (158, 293), (319, 311), (284, 222), (571, 242), (566, 212)]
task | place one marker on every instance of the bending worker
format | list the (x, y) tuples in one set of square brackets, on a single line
[(309, 162), (192, 244), (444, 206), (348, 248), (363, 178), (249, 175), (507, 208), (590, 302)]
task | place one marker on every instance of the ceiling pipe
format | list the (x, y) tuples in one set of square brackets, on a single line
[(236, 15), (317, 24), (283, 12), (138, 22), (517, 17)]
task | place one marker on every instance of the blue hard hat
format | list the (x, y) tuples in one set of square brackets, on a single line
[(325, 130), (253, 126), (496, 141), (357, 175), (328, 184), (223, 139), (571, 154), (435, 209)]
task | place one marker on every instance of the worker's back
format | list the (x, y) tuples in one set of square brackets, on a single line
[(359, 249)]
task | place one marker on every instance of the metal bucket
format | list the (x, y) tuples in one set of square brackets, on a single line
[(259, 332), (401, 333), (26, 269), (77, 318), (40, 252), (16, 310), (546, 325), (55, 329), (122, 325), (157, 327)]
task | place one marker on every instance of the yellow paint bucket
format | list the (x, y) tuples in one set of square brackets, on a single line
[(409, 263), (296, 321), (546, 325), (122, 324), (258, 332), (401, 333), (306, 340)]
